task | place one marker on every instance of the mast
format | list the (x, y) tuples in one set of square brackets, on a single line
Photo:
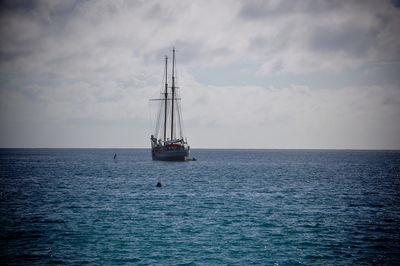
[(173, 93), (165, 98)]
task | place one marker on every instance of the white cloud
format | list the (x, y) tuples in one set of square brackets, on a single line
[(294, 117)]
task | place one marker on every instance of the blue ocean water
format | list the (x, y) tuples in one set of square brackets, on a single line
[(269, 207)]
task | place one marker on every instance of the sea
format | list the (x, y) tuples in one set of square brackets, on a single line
[(228, 207)]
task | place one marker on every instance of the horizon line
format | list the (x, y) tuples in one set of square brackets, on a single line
[(208, 148)]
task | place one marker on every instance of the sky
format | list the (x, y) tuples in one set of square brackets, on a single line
[(305, 74)]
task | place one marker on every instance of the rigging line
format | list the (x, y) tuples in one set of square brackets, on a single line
[(158, 121), (160, 115), (164, 80), (178, 105), (165, 99), (178, 108), (150, 118), (167, 114), (173, 94), (179, 115)]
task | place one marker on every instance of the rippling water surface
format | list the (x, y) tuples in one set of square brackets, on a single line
[(282, 207)]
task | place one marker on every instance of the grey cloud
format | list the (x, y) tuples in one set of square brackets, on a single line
[(358, 31), (27, 28), (351, 40), (268, 44), (13, 6), (158, 12), (261, 10), (187, 51), (253, 10), (45, 11), (258, 9)]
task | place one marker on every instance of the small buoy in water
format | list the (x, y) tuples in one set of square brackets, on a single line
[(159, 184)]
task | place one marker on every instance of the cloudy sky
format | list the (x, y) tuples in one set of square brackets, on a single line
[(253, 74)]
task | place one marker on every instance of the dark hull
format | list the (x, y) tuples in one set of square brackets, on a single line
[(180, 155)]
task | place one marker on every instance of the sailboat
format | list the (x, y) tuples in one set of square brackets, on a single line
[(167, 143)]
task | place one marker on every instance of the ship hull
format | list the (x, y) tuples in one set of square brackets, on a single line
[(181, 155)]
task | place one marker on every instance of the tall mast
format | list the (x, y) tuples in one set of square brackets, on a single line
[(165, 98), (173, 93)]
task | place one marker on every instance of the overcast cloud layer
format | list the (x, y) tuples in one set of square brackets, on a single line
[(253, 74)]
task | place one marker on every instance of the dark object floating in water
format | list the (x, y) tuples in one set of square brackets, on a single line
[(159, 184), (194, 159), (115, 156)]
